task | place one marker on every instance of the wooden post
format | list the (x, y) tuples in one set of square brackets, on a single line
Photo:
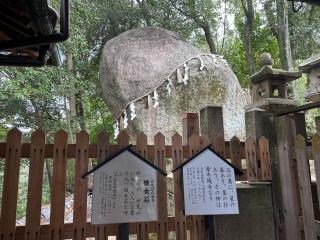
[(159, 159), (211, 122), (204, 141), (265, 158), (10, 185), (211, 230), (80, 186), (177, 159), (276, 186), (236, 157), (285, 180), (195, 231), (103, 147), (190, 125), (103, 151), (58, 187), (123, 229), (305, 188), (316, 158), (32, 231), (142, 150), (219, 145), (252, 161)]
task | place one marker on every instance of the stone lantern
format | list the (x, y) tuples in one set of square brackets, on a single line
[(311, 66), (269, 86)]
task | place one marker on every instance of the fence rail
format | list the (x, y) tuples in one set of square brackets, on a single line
[(258, 168), (92, 150)]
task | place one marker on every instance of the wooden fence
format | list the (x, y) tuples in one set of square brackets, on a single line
[(257, 168), (310, 200)]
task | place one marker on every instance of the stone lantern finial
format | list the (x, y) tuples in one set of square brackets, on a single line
[(266, 60)]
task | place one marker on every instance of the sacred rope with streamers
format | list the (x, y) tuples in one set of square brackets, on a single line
[(168, 81)]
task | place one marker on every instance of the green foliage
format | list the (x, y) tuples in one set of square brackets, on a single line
[(22, 189), (262, 41), (237, 61), (304, 31), (32, 98)]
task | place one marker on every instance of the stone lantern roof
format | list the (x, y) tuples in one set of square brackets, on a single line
[(311, 63), (267, 72), (311, 66)]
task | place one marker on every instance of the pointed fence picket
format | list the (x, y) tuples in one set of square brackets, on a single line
[(160, 161), (309, 224), (81, 152), (32, 231), (235, 156), (10, 185), (177, 159), (81, 187), (103, 152), (198, 229), (58, 186), (142, 149)]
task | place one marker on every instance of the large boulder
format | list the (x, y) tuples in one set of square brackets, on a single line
[(137, 61)]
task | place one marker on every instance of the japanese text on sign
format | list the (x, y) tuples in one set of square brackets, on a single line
[(209, 186), (124, 191)]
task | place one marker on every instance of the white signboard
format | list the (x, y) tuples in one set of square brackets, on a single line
[(124, 190), (209, 186)]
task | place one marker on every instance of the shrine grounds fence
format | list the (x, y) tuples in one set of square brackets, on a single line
[(309, 191), (251, 157)]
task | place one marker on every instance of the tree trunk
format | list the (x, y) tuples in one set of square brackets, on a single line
[(144, 11), (207, 32), (283, 35), (39, 124), (80, 113), (271, 17), (201, 22), (248, 29), (72, 98)]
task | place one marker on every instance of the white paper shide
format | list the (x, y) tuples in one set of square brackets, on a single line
[(209, 186), (124, 190)]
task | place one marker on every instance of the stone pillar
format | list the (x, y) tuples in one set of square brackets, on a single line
[(256, 123), (211, 122), (190, 125)]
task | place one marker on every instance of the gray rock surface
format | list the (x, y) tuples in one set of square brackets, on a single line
[(137, 61)]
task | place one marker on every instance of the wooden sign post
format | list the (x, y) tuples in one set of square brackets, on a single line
[(209, 186), (124, 191)]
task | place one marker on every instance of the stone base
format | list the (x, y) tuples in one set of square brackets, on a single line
[(272, 104), (255, 220)]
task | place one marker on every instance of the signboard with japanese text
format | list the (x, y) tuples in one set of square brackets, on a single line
[(209, 186), (124, 190)]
